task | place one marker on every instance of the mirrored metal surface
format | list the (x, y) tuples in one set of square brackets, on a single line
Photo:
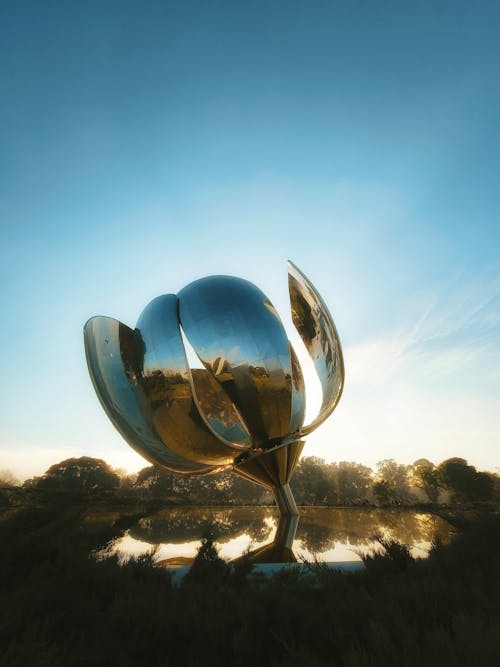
[(272, 468), (246, 407), (114, 353), (316, 328), (166, 382), (237, 334), (218, 411), (298, 394)]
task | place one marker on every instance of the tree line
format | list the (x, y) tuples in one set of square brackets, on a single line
[(315, 482)]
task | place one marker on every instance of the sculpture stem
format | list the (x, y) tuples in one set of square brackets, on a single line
[(286, 531), (285, 500)]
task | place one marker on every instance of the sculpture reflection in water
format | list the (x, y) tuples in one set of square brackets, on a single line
[(245, 409), (280, 550), (335, 535)]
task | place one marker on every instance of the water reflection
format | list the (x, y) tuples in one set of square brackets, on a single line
[(330, 535)]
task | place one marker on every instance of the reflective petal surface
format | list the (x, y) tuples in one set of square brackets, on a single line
[(240, 339), (114, 353), (218, 411), (166, 381), (298, 394), (273, 467), (245, 408), (316, 328)]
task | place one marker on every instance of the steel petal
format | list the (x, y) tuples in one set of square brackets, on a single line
[(237, 334), (298, 394), (166, 382), (316, 328), (218, 410), (114, 353)]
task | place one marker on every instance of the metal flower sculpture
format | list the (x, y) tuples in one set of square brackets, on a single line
[(245, 409)]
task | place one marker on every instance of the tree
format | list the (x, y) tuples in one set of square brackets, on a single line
[(464, 481), (245, 492), (127, 481), (484, 486), (383, 492), (424, 475), (311, 485), (225, 488), (84, 474), (495, 492), (396, 477), (351, 481), (154, 481), (8, 479)]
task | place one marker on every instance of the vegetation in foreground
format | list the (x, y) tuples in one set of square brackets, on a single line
[(62, 607)]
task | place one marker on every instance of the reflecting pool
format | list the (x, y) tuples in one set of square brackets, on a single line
[(325, 534)]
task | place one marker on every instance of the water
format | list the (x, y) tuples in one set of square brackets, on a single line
[(329, 535)]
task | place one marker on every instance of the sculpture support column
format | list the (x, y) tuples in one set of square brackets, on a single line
[(285, 500)]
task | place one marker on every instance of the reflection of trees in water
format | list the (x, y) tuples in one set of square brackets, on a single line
[(318, 529), (410, 527), (406, 527), (187, 524), (315, 537)]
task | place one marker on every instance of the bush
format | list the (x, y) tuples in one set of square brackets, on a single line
[(62, 607)]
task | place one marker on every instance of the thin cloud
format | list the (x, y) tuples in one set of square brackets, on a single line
[(456, 326)]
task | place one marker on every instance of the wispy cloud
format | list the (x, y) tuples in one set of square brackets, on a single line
[(455, 326), (458, 309)]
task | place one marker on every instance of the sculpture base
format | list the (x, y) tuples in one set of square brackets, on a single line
[(273, 469)]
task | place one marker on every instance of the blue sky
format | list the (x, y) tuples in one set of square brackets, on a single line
[(148, 144)]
